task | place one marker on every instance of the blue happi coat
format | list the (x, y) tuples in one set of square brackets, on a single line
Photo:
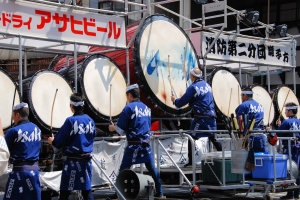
[(135, 121), (292, 123), (24, 144), (200, 98), (76, 139), (252, 108)]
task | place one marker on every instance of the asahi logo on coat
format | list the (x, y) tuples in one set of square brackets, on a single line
[(29, 184), (35, 135), (10, 187), (72, 180), (82, 129)]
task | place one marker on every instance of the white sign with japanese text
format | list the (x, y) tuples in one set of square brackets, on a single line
[(233, 48), (44, 21)]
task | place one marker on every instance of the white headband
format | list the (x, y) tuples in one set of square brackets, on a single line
[(194, 74), (20, 105), (130, 87), (247, 92), (79, 103), (291, 107)]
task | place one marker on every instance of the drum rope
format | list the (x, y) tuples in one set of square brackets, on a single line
[(283, 104)]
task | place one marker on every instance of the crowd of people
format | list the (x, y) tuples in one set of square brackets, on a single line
[(21, 144)]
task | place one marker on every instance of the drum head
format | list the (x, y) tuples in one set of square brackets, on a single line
[(226, 91), (104, 86), (8, 89), (283, 96), (41, 95), (164, 56), (263, 97)]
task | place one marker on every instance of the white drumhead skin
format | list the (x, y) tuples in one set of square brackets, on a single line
[(42, 94), (7, 89), (262, 96), (98, 75), (223, 84), (282, 95), (155, 46)]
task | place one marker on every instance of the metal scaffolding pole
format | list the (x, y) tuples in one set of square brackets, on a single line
[(268, 74), (75, 66), (294, 79), (20, 67), (25, 63), (240, 74)]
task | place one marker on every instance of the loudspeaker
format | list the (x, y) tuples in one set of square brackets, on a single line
[(133, 185)]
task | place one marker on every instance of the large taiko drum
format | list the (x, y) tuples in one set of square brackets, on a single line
[(283, 95), (262, 96), (39, 91), (10, 96), (226, 91), (103, 85), (161, 56)]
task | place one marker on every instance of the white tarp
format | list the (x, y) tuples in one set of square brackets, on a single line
[(110, 155)]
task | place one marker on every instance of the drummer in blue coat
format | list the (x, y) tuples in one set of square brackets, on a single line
[(24, 143), (76, 138), (292, 123), (135, 122), (250, 107), (200, 98)]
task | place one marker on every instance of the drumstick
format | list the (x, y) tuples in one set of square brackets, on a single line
[(271, 108), (184, 67), (229, 102), (110, 86), (11, 122), (283, 104), (239, 96), (52, 109), (163, 84), (170, 78), (170, 75)]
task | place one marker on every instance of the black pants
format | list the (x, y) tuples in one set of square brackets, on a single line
[(86, 194), (217, 145)]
